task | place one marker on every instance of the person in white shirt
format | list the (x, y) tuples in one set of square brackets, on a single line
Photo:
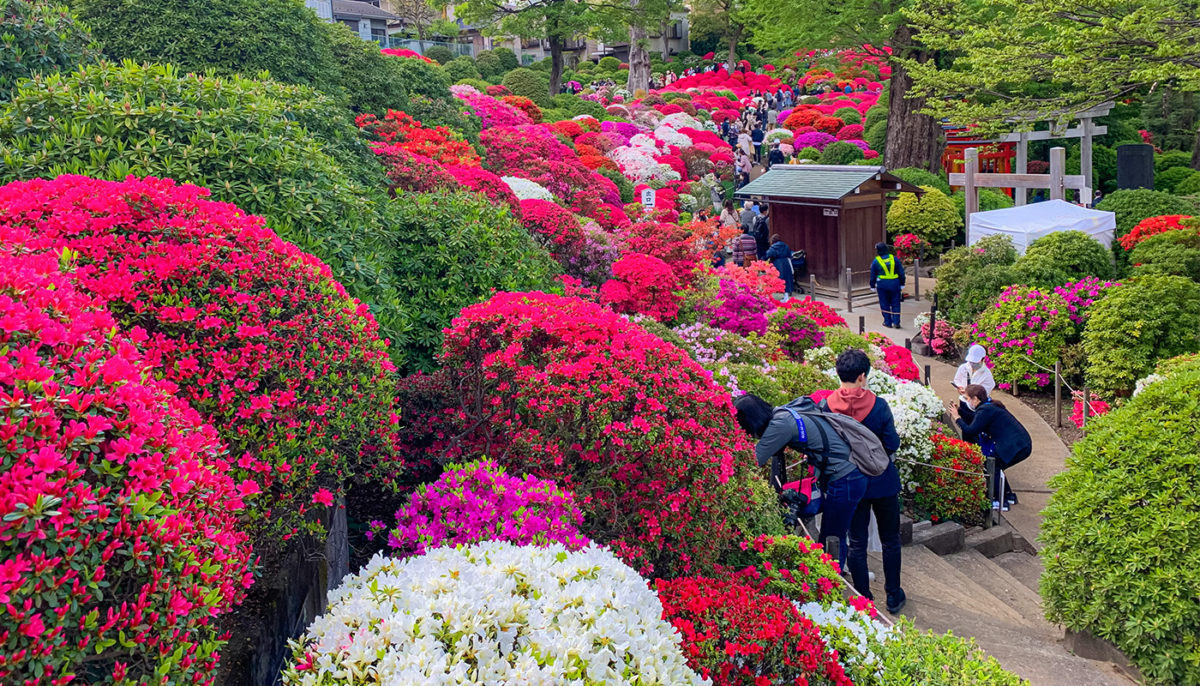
[(973, 371)]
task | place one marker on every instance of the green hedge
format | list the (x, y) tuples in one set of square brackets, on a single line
[(286, 153), (840, 152), (848, 115), (439, 53), (1137, 324), (488, 64), (1122, 532), (963, 263), (529, 84), (876, 114), (373, 81), (1133, 205), (921, 177), (461, 68), (1174, 252), (1063, 256), (1168, 180), (40, 37)]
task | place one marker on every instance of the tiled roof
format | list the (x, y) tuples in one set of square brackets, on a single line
[(356, 8), (817, 181)]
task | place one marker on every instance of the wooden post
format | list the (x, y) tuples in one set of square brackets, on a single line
[(917, 280), (1058, 393), (927, 370), (908, 344), (971, 168), (1058, 169), (1085, 409), (812, 286), (932, 324), (1022, 167), (1085, 162), (862, 325), (849, 290), (993, 513)]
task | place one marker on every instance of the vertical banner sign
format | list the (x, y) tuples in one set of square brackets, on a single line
[(648, 198)]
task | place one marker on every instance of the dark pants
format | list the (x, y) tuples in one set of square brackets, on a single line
[(1005, 463), (887, 514), (889, 300), (757, 153), (841, 501)]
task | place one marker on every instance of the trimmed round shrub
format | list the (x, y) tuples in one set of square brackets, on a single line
[(529, 84), (1025, 332), (439, 53), (285, 153), (508, 59), (1171, 159), (808, 153), (1174, 252), (849, 115), (119, 543), (962, 262), (1133, 205), (1063, 256), (921, 177), (840, 152), (501, 613), (453, 250), (462, 68), (575, 393), (478, 502), (931, 216), (254, 334), (734, 634), (282, 37), (876, 135), (372, 81), (40, 37), (979, 288), (1189, 186), (609, 64), (1130, 482), (1168, 179), (875, 115), (488, 64), (1137, 324), (989, 199), (642, 284), (425, 80)]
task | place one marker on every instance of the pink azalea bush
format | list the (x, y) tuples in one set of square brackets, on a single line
[(120, 542), (799, 333), (1025, 332), (738, 309), (1082, 294), (478, 502)]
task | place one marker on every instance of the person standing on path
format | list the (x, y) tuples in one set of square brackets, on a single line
[(998, 434), (745, 142), (780, 255), (887, 279), (746, 218), (744, 248), (883, 492), (728, 216), (973, 371), (756, 137)]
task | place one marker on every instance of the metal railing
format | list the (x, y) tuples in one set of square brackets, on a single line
[(405, 43)]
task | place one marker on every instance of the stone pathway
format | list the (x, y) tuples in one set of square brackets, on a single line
[(992, 599)]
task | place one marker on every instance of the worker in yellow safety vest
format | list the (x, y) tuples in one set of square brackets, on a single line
[(887, 279)]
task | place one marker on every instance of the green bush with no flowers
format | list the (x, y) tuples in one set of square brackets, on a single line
[(1174, 252), (488, 64), (39, 37), (439, 53), (530, 84), (912, 656), (461, 68), (849, 115), (1168, 180), (374, 82), (508, 59), (1172, 158), (609, 64), (921, 177), (876, 135), (1137, 324), (979, 290), (1122, 532), (876, 114), (931, 216), (1063, 256), (961, 263), (840, 152)]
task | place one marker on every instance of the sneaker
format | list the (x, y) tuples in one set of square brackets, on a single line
[(871, 576), (896, 601), (1011, 498)]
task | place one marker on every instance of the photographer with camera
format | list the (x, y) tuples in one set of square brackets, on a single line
[(883, 491), (800, 426)]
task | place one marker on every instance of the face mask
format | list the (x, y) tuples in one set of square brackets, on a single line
[(975, 366)]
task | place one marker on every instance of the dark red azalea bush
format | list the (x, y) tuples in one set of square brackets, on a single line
[(670, 243), (525, 105), (793, 567), (555, 228), (641, 284), (566, 390), (119, 543), (738, 636), (945, 494), (256, 335), (815, 310), (483, 181), (409, 172)]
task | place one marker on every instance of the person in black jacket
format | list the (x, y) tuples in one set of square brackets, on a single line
[(998, 433), (883, 492)]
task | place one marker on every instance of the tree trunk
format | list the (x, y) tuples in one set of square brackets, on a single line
[(665, 27), (735, 35), (1196, 150), (639, 60), (421, 38), (557, 43), (913, 139)]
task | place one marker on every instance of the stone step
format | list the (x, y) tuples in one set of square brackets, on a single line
[(954, 587), (942, 539), (991, 542), (1005, 587), (1024, 568)]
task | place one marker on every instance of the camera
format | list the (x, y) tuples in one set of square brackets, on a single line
[(794, 503)]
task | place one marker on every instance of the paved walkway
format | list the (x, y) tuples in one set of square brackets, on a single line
[(1028, 478)]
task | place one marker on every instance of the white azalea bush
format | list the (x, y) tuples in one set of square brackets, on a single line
[(525, 189), (853, 633), (492, 613)]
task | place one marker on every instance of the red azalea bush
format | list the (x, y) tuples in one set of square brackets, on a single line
[(829, 125), (738, 636), (611, 218), (801, 118), (1151, 226), (483, 181), (570, 182), (900, 361), (569, 128), (525, 105), (498, 91), (760, 277), (256, 335), (438, 143), (409, 172), (794, 567), (119, 543), (555, 228), (945, 494), (910, 246), (1095, 408), (670, 243), (512, 148), (642, 284), (480, 501), (815, 310), (566, 390), (850, 132), (799, 333), (402, 52)]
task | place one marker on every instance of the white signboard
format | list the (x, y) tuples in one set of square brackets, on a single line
[(830, 212), (648, 197)]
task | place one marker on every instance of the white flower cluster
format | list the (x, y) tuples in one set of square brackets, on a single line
[(638, 163), (525, 189), (492, 613), (679, 120), (1143, 383), (852, 633), (671, 136)]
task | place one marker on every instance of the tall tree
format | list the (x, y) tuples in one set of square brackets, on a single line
[(1092, 51), (729, 19), (914, 139), (418, 15), (555, 21)]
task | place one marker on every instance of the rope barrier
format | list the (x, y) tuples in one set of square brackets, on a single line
[(938, 466), (1061, 379)]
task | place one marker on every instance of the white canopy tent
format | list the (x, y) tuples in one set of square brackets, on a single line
[(1027, 223)]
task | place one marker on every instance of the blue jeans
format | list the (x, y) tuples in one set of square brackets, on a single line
[(841, 500), (887, 514), (889, 300)]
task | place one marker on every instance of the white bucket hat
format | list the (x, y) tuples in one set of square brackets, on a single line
[(976, 353)]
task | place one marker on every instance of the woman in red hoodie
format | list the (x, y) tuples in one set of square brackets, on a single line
[(883, 492)]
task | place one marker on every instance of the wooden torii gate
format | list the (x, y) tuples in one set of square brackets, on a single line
[(1057, 181)]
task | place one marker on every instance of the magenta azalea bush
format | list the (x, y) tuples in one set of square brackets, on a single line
[(739, 310), (1082, 294), (1025, 332), (480, 501), (799, 333)]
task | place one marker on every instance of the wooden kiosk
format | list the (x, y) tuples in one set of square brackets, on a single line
[(836, 214)]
